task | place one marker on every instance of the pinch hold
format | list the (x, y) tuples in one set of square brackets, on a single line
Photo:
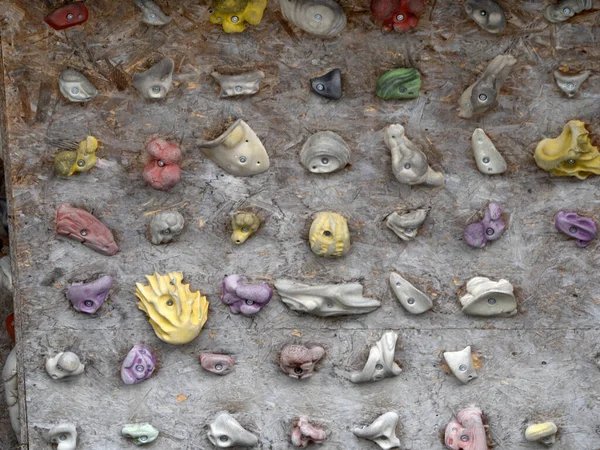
[(406, 223), (247, 299), (490, 228), (489, 160), (570, 84), (544, 433), (305, 433), (328, 85), (381, 362), (488, 14), (461, 364), (382, 431), (79, 225), (583, 229)]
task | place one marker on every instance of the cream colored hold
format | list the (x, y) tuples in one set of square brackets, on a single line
[(485, 297), (461, 364), (489, 160)]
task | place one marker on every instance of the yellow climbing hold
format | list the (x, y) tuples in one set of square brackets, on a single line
[(69, 162), (233, 14)]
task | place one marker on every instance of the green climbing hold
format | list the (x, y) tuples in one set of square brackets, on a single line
[(399, 84)]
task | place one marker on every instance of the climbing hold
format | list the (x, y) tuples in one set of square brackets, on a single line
[(485, 297), (165, 226), (152, 14), (329, 235), (81, 160), (79, 225), (141, 433), (232, 15), (64, 435), (466, 430), (406, 223), (328, 85), (163, 169), (247, 299), (323, 18), (489, 160), (413, 300), (488, 14), (583, 229), (397, 15), (218, 364), (75, 87), (244, 225), (382, 431), (155, 82), (461, 364), (399, 84), (89, 297), (490, 228), (544, 433), (381, 362), (64, 365), (67, 16), (227, 432), (325, 152), (305, 433), (138, 365), (565, 9), (242, 84), (570, 84), (298, 361)]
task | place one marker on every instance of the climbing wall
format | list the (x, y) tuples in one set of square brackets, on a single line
[(538, 365)]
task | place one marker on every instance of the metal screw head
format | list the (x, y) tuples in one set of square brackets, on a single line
[(70, 16), (462, 367), (81, 163), (219, 367), (571, 161), (63, 437), (320, 87), (139, 368), (243, 159), (570, 85), (169, 302), (238, 89), (84, 232), (486, 160), (327, 233), (156, 89), (400, 17), (567, 10), (410, 301), (409, 230), (492, 301), (245, 229), (223, 438), (298, 370), (378, 367), (330, 304), (235, 19), (249, 302), (483, 12), (464, 438), (74, 90), (407, 166), (573, 229), (143, 438), (324, 161), (402, 89), (489, 231), (161, 163), (318, 17), (88, 303), (483, 97), (152, 16), (166, 231)]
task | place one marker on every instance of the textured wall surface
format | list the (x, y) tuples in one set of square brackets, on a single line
[(538, 365)]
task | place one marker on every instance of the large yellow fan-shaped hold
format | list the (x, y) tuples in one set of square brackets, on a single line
[(175, 312), (570, 154)]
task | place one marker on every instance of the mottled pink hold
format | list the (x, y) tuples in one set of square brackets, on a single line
[(163, 170), (138, 365), (583, 229), (215, 363), (466, 431), (304, 433), (246, 299), (490, 228), (89, 297), (299, 361)]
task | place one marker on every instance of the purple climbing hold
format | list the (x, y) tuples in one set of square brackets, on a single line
[(138, 365), (89, 297), (247, 299), (490, 228), (583, 229)]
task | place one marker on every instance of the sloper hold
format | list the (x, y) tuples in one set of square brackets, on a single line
[(413, 300), (461, 364), (155, 82), (490, 228), (64, 365), (326, 300), (237, 151), (79, 225), (152, 14), (226, 432), (216, 363), (324, 18), (328, 85), (544, 433), (583, 229), (485, 297), (482, 94), (64, 435), (75, 87), (403, 83), (570, 84), (235, 85), (140, 433), (380, 363), (89, 297), (488, 159), (382, 431), (325, 152), (68, 16), (566, 9), (165, 226), (488, 14), (406, 223)]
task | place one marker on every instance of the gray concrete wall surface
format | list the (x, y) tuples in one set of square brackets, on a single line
[(536, 366)]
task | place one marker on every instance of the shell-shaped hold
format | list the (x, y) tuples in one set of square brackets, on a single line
[(138, 365), (488, 14), (381, 362), (490, 228), (325, 152), (485, 297), (329, 235), (413, 300), (242, 298), (64, 436), (243, 84), (79, 225), (226, 432), (570, 154), (215, 363), (155, 82), (11, 391), (396, 84), (461, 364), (75, 87), (570, 84), (83, 159), (328, 85), (544, 433), (165, 226), (565, 9), (409, 163), (398, 15), (233, 15), (382, 431), (324, 18), (176, 313), (237, 151), (140, 433), (583, 229), (152, 14), (298, 361), (305, 433), (466, 431), (67, 16), (326, 300), (489, 160), (89, 297), (406, 223), (244, 225), (64, 365), (481, 95)]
